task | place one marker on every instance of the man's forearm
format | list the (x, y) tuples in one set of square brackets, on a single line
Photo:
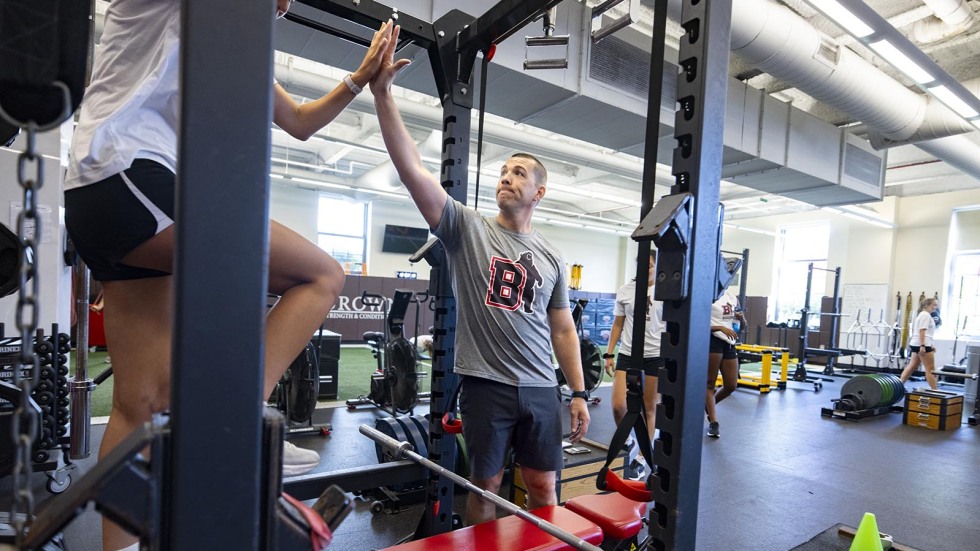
[(569, 361), (404, 154)]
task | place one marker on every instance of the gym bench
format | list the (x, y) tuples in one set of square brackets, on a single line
[(510, 533), (592, 518)]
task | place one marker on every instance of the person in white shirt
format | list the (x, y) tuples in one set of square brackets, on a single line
[(922, 344), (622, 334), (119, 212), (721, 356)]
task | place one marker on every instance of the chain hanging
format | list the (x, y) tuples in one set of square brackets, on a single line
[(24, 424)]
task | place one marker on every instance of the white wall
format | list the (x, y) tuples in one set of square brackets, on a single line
[(760, 248), (602, 256), (922, 242), (54, 275), (294, 208)]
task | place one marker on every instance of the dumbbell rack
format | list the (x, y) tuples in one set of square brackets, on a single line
[(50, 394)]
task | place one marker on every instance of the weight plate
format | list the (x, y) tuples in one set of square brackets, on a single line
[(886, 390), (899, 393), (414, 435), (389, 427), (592, 367), (866, 387)]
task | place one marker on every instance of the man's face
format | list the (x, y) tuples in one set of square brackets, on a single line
[(517, 186)]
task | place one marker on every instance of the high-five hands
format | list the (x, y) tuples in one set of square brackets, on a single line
[(373, 58), (388, 68)]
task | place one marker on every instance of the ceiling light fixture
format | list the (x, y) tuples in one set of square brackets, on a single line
[(900, 61), (843, 17), (872, 30)]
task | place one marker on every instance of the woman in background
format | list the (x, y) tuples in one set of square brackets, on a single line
[(922, 344), (721, 356), (652, 362)]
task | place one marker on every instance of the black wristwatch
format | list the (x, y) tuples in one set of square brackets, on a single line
[(608, 356), (580, 394)]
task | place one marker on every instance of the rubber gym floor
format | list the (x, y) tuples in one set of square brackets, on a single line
[(779, 475)]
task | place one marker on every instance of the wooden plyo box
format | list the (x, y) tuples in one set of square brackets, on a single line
[(577, 477), (933, 409)]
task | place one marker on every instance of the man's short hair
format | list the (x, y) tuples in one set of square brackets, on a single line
[(540, 172)]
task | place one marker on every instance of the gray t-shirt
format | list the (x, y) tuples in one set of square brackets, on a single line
[(505, 282)]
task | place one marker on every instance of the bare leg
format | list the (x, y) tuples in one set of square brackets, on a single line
[(137, 327), (650, 397), (480, 510), (714, 363), (138, 324), (619, 396), (929, 362), (540, 487), (308, 281), (729, 377), (910, 369)]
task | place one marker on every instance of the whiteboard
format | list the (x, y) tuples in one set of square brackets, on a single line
[(864, 296)]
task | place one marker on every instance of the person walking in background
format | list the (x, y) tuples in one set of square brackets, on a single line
[(721, 356), (622, 333), (922, 344)]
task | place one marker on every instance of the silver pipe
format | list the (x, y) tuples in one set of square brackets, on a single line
[(404, 449), (80, 387), (972, 376)]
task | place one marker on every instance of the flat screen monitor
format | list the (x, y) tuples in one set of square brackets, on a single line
[(403, 239)]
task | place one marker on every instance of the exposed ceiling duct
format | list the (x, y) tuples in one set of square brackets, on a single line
[(772, 38), (952, 17), (602, 96), (772, 147), (314, 85)]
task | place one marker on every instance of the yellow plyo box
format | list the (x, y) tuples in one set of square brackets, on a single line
[(933, 409)]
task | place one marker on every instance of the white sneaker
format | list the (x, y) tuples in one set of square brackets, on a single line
[(297, 461), (638, 469)]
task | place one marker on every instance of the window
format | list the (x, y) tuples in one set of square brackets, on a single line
[(961, 307), (796, 248), (962, 310), (342, 232)]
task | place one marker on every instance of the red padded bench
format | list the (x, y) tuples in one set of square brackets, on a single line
[(619, 517), (510, 534)]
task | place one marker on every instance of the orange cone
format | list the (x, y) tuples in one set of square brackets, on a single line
[(867, 538)]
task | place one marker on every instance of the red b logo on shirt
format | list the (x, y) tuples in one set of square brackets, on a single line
[(512, 282)]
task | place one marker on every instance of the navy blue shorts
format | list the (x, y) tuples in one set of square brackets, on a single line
[(919, 349), (651, 366), (497, 417), (108, 219)]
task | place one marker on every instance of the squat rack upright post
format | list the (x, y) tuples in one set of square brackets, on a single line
[(212, 496)]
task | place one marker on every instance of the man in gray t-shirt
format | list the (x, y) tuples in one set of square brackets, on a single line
[(512, 313)]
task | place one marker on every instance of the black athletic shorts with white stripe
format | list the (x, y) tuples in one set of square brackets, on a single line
[(108, 219)]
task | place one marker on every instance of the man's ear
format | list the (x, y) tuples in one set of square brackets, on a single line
[(539, 193)]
